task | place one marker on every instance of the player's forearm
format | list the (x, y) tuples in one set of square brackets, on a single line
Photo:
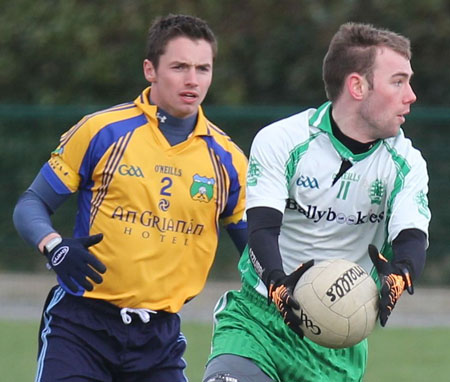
[(264, 228), (32, 220), (410, 248), (239, 236)]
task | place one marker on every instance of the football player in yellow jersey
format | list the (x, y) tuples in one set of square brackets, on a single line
[(154, 179)]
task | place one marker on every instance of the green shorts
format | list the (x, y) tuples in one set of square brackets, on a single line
[(247, 326)]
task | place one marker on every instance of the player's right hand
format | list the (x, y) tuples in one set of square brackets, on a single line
[(281, 293), (73, 263)]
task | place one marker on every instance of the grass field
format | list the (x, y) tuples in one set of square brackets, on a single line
[(410, 355)]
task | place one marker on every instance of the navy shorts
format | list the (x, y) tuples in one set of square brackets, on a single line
[(83, 339)]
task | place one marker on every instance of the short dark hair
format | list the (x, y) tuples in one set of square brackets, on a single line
[(164, 29), (353, 49)]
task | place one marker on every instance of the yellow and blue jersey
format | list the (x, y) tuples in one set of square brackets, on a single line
[(158, 206)]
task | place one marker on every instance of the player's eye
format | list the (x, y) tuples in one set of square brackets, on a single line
[(204, 68), (179, 66)]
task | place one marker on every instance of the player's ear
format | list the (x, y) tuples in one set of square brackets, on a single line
[(356, 85), (149, 71)]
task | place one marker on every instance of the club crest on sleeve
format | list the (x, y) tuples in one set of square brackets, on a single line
[(422, 203), (254, 171)]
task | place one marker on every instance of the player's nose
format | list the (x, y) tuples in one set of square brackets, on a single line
[(410, 96), (191, 77)]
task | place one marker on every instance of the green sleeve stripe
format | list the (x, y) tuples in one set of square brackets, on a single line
[(403, 168), (294, 157)]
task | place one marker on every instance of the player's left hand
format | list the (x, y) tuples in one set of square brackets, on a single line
[(281, 293), (74, 264), (395, 278)]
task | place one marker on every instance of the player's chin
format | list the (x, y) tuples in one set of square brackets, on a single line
[(391, 132), (395, 130), (187, 110)]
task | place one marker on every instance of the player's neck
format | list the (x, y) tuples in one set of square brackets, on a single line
[(175, 130), (167, 119), (353, 145), (348, 129)]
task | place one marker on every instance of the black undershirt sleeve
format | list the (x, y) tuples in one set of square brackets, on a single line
[(263, 230), (410, 249)]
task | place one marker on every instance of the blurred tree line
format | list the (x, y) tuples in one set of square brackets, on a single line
[(270, 51), (62, 59)]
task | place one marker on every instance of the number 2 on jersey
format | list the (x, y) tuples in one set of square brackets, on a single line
[(167, 184)]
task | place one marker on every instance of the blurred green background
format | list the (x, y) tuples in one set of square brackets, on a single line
[(61, 60)]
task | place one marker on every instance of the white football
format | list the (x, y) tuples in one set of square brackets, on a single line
[(338, 303)]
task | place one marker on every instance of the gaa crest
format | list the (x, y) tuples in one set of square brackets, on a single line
[(202, 188)]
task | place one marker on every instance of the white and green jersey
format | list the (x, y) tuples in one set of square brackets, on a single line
[(293, 163)]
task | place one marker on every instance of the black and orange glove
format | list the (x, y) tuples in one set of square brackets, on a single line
[(281, 288), (394, 278)]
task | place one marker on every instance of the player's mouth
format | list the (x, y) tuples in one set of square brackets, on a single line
[(189, 96), (402, 116)]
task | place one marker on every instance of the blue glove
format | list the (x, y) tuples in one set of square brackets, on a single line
[(73, 263)]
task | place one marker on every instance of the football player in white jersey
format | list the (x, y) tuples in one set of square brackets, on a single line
[(327, 183)]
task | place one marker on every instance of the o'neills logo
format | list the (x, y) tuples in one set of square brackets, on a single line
[(60, 255), (346, 282)]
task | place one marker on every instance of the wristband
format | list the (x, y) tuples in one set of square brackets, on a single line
[(51, 244)]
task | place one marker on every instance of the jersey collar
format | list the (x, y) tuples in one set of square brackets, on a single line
[(321, 120), (203, 126)]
